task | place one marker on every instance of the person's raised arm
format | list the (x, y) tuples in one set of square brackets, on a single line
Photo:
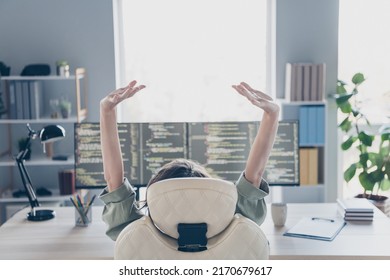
[(111, 150), (264, 140)]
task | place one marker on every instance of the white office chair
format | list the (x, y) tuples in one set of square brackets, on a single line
[(192, 218)]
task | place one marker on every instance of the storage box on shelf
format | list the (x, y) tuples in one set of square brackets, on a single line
[(38, 100)]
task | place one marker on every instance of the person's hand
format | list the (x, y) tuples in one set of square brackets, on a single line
[(109, 102), (257, 98)]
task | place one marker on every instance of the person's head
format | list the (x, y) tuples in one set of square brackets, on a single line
[(179, 168)]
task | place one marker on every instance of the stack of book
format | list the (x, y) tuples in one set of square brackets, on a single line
[(356, 209), (25, 100), (311, 125), (305, 82), (308, 166)]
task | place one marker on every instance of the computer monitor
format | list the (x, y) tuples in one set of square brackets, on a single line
[(221, 147), (146, 147), (283, 164)]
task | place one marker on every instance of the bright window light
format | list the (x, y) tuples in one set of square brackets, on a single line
[(188, 54), (364, 47)]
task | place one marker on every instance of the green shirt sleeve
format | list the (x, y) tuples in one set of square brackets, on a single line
[(119, 208), (251, 202)]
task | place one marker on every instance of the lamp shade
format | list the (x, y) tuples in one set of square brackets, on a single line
[(51, 133)]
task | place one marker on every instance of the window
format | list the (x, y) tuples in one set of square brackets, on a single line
[(364, 47), (188, 54)]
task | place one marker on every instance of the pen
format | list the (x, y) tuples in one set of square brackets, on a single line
[(323, 219), (79, 200), (93, 198), (89, 205), (83, 216)]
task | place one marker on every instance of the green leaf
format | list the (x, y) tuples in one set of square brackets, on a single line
[(366, 181), (362, 148), (387, 169), (384, 152), (349, 173), (343, 98), (366, 139), (384, 185), (345, 125), (377, 175), (358, 78), (376, 159), (345, 107), (340, 89), (385, 136), (363, 159), (348, 143)]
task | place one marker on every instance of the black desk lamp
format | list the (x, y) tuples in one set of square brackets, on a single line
[(48, 134)]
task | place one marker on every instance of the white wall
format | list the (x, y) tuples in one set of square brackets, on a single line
[(44, 31)]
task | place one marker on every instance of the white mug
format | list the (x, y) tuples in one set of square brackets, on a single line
[(279, 213)]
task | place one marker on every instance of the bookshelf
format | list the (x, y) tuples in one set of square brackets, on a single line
[(32, 89), (304, 101), (35, 100), (312, 152)]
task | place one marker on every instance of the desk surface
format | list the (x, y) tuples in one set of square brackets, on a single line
[(60, 239), (357, 240), (56, 239)]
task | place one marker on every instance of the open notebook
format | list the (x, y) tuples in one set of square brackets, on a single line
[(316, 228)]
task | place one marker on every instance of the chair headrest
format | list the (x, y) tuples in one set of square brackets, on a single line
[(192, 200)]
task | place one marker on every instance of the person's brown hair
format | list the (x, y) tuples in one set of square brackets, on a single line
[(179, 168)]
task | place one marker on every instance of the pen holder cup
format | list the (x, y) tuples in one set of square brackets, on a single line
[(83, 216)]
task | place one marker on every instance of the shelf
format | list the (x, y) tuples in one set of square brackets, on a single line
[(39, 78), (314, 145), (42, 120), (299, 103), (39, 162), (25, 105)]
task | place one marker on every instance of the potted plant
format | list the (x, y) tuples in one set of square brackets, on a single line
[(372, 165), (65, 107), (62, 68)]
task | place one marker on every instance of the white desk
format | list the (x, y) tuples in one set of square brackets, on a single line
[(10, 205), (57, 238), (357, 240), (60, 239)]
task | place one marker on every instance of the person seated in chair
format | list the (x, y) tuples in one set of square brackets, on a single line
[(121, 207)]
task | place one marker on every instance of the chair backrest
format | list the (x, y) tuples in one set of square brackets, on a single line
[(192, 218)]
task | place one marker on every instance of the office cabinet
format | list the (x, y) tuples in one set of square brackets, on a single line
[(37, 101)]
